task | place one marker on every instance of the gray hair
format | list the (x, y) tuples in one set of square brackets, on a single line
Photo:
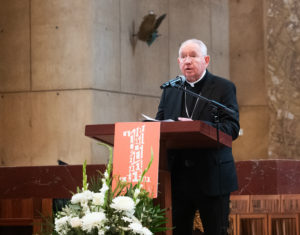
[(202, 46)]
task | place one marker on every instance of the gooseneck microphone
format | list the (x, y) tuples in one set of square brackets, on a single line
[(179, 80)]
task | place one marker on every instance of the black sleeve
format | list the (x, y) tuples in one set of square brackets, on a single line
[(160, 113), (229, 123)]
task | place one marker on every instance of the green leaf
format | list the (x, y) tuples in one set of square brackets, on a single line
[(84, 177)]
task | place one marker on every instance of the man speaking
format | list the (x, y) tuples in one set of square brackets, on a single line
[(201, 178)]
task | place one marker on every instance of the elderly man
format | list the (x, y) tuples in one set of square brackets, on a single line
[(201, 178)]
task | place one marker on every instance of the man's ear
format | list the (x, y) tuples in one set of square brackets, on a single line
[(178, 60), (207, 59)]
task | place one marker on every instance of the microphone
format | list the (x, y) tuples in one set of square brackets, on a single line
[(179, 80)]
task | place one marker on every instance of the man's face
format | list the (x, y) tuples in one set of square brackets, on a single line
[(191, 61)]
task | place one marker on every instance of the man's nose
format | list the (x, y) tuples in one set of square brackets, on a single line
[(188, 59)]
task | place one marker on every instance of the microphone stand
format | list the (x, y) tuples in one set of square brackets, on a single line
[(216, 109), (214, 104), (215, 113)]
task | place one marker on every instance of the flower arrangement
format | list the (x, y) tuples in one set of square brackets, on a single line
[(125, 210)]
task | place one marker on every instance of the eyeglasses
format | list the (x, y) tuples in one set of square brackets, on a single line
[(183, 59)]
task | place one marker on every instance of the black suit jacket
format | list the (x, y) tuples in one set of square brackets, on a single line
[(211, 171)]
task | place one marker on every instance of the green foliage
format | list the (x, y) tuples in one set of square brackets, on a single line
[(151, 216), (84, 177), (148, 215), (95, 182)]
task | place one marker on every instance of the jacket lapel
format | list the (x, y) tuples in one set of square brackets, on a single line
[(174, 104), (206, 91), (178, 105)]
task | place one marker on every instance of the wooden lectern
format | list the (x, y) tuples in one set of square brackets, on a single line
[(173, 135)]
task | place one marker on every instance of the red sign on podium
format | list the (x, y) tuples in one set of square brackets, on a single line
[(132, 153)]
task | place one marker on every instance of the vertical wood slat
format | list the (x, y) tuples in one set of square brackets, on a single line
[(25, 212), (239, 204), (16, 208), (282, 211), (252, 224), (232, 224), (265, 203), (6, 208), (290, 203), (47, 207), (283, 224), (26, 207)]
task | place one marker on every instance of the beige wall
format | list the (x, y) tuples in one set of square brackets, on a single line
[(65, 64), (264, 64), (247, 71)]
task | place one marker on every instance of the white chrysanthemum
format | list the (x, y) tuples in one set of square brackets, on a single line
[(134, 219), (93, 220), (83, 197), (123, 203), (136, 227), (75, 222), (101, 232), (61, 225), (139, 229), (126, 219), (146, 231), (98, 199)]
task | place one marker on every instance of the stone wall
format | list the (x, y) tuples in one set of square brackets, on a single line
[(65, 64), (282, 34), (264, 64)]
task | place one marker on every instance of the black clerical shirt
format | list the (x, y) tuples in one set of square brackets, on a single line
[(190, 102)]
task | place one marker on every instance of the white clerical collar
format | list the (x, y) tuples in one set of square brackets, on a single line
[(192, 84)]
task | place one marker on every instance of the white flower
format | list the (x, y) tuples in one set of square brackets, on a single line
[(137, 201), (134, 219), (136, 227), (85, 207), (126, 219), (101, 232), (123, 203), (82, 198), (106, 175), (61, 225), (98, 199), (146, 231), (75, 222), (104, 188), (136, 192), (139, 229), (93, 220)]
